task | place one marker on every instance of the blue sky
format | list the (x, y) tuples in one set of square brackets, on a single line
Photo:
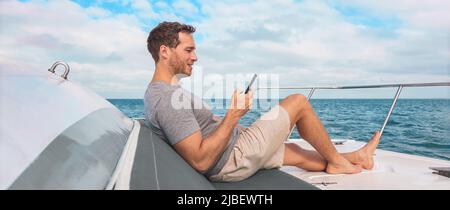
[(364, 16), (308, 42), (158, 7), (354, 14)]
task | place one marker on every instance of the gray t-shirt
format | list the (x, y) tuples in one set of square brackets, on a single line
[(173, 114)]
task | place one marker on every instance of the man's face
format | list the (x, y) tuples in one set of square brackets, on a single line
[(183, 56)]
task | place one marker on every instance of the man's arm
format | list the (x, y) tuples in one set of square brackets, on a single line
[(218, 119), (202, 153)]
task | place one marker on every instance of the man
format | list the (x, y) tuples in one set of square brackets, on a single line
[(218, 148)]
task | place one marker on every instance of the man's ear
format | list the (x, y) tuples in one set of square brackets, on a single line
[(164, 52)]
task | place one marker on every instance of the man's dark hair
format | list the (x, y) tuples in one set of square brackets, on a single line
[(166, 33)]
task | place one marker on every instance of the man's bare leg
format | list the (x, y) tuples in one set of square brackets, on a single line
[(302, 115), (309, 160), (294, 155)]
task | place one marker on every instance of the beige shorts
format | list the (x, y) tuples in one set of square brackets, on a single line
[(259, 146)]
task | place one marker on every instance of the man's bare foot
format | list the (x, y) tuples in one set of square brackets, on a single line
[(342, 167), (365, 154), (361, 158)]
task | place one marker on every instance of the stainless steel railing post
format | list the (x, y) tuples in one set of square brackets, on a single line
[(399, 90), (311, 92)]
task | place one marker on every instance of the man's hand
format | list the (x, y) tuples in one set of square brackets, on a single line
[(240, 104)]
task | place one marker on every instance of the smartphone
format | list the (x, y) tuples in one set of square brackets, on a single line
[(251, 83)]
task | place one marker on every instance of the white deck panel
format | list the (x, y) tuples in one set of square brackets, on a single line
[(392, 171)]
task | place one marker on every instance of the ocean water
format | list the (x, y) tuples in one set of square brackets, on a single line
[(417, 126)]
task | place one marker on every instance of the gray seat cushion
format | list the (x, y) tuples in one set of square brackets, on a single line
[(158, 166), (167, 171)]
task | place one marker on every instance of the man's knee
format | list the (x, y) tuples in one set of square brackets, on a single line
[(297, 98), (299, 102), (295, 104)]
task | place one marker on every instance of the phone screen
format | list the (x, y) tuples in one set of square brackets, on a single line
[(251, 83)]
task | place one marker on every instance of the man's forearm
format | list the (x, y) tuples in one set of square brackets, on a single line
[(213, 146), (218, 119)]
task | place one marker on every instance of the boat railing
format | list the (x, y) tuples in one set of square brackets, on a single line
[(399, 87)]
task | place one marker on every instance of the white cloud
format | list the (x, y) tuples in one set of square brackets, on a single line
[(306, 42), (185, 7), (102, 50), (96, 12), (290, 37), (431, 14), (144, 8)]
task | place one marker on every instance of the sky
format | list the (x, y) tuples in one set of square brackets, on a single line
[(304, 43)]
